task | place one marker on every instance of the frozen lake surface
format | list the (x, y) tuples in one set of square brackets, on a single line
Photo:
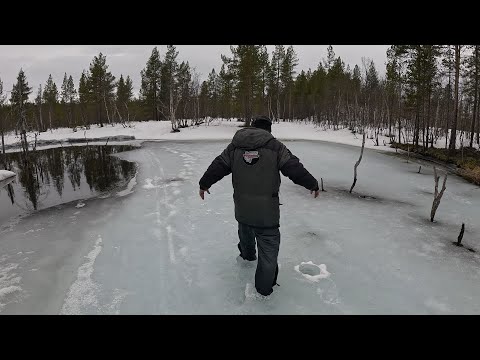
[(153, 247)]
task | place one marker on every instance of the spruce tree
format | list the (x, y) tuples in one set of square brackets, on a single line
[(84, 97), (151, 83), (19, 99), (101, 85)]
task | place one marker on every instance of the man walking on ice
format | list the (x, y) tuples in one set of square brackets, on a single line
[(255, 159)]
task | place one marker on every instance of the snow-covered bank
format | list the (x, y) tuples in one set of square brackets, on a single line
[(5, 174), (216, 130)]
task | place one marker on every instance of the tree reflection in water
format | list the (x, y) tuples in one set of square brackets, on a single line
[(54, 176)]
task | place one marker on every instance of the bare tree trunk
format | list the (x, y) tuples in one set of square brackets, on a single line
[(453, 137), (106, 109), (460, 236), (50, 116), (428, 117), (438, 196), (41, 117), (4, 157), (358, 163), (475, 100)]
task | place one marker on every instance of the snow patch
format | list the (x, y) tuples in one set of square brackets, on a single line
[(149, 184), (82, 291), (130, 186), (80, 205), (118, 296), (252, 294), (8, 283), (5, 174), (320, 273)]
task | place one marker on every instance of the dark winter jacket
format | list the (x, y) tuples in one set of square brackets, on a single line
[(255, 158)]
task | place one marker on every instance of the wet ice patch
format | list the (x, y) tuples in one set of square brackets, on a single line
[(311, 271), (183, 251), (436, 305), (83, 290), (246, 263)]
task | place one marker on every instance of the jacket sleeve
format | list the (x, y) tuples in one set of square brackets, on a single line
[(220, 167), (291, 167)]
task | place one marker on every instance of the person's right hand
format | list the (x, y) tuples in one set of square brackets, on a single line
[(202, 193), (317, 192)]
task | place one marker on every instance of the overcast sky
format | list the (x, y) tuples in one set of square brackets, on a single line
[(38, 61)]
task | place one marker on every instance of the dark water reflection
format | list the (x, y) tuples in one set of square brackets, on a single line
[(51, 177)]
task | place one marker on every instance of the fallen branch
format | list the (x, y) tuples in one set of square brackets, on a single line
[(438, 196), (357, 163), (460, 236)]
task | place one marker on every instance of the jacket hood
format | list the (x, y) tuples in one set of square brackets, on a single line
[(251, 138)]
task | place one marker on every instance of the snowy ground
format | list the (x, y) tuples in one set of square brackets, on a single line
[(216, 130), (156, 248), (5, 174)]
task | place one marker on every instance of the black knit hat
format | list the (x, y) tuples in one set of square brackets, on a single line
[(263, 118), (262, 122)]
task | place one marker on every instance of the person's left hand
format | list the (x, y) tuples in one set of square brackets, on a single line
[(202, 193)]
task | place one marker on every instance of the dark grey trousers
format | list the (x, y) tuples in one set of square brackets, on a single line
[(268, 242)]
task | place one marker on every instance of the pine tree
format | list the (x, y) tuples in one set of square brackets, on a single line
[(84, 97), (392, 87), (170, 97), (457, 65), (214, 93), (50, 96), (472, 86), (101, 85), (19, 99), (244, 65), (184, 78), (262, 103), (39, 103), (151, 83), (275, 82), (68, 95), (328, 63), (204, 101), (226, 92), (123, 97), (3, 98), (290, 61)]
